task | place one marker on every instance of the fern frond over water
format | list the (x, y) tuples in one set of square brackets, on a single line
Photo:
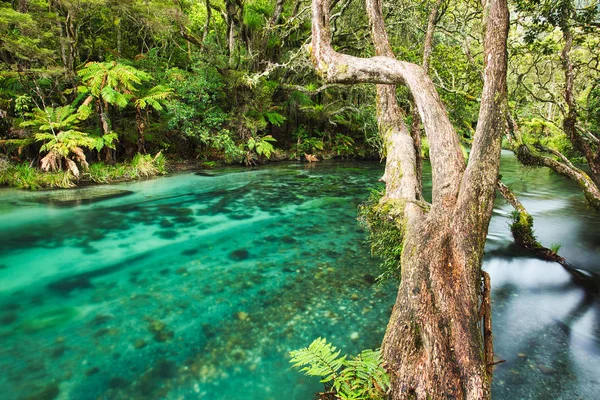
[(360, 377)]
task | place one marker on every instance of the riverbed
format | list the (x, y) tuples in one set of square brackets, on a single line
[(198, 285)]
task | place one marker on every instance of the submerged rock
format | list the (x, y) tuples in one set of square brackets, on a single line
[(47, 393), (67, 285), (117, 383), (166, 234), (8, 318), (182, 271), (49, 319), (189, 252), (370, 279), (239, 255), (72, 198), (92, 371)]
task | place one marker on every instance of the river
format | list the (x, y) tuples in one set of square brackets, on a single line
[(198, 285)]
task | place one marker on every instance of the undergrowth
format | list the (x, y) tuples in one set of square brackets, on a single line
[(357, 378), (384, 233), (25, 176)]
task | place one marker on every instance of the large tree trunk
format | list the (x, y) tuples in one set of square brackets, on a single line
[(433, 346)]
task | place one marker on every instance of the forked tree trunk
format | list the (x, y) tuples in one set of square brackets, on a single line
[(433, 347)]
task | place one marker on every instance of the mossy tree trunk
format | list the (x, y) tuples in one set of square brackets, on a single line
[(433, 347)]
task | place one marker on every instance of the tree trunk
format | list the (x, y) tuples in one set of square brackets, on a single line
[(415, 128), (207, 23), (140, 125), (434, 346), (23, 7)]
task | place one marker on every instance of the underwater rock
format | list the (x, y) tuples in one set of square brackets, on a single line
[(72, 198), (48, 319), (139, 343), (117, 383), (546, 370), (8, 318), (204, 173), (185, 220), (58, 352), (209, 330), (239, 255), (105, 331), (288, 240), (92, 371), (167, 234), (90, 250), (158, 329), (47, 393), (166, 369), (239, 217), (101, 319), (370, 279), (11, 307), (189, 252), (165, 223), (67, 285), (164, 336)]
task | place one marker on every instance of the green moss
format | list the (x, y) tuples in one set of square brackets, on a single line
[(384, 223), (522, 230)]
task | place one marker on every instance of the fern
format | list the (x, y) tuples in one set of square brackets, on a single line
[(357, 378), (319, 359)]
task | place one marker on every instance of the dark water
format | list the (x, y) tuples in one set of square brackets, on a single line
[(197, 286)]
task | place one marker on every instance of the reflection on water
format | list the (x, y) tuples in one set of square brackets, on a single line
[(197, 286)]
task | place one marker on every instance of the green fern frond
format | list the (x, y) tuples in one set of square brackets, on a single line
[(319, 359)]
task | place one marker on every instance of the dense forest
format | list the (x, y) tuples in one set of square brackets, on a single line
[(87, 84)]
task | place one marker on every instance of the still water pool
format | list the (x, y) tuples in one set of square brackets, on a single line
[(197, 285)]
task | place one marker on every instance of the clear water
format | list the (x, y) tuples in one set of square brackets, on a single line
[(194, 286)]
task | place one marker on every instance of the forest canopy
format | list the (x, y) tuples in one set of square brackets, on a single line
[(95, 80)]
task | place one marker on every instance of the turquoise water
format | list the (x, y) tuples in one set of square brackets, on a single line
[(198, 285)]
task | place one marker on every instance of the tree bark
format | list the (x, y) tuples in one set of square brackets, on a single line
[(433, 345), (415, 128)]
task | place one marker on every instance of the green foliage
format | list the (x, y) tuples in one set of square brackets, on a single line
[(56, 128), (141, 166), (195, 109), (360, 377), (154, 98), (262, 145), (555, 247), (380, 219), (24, 176), (111, 81)]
